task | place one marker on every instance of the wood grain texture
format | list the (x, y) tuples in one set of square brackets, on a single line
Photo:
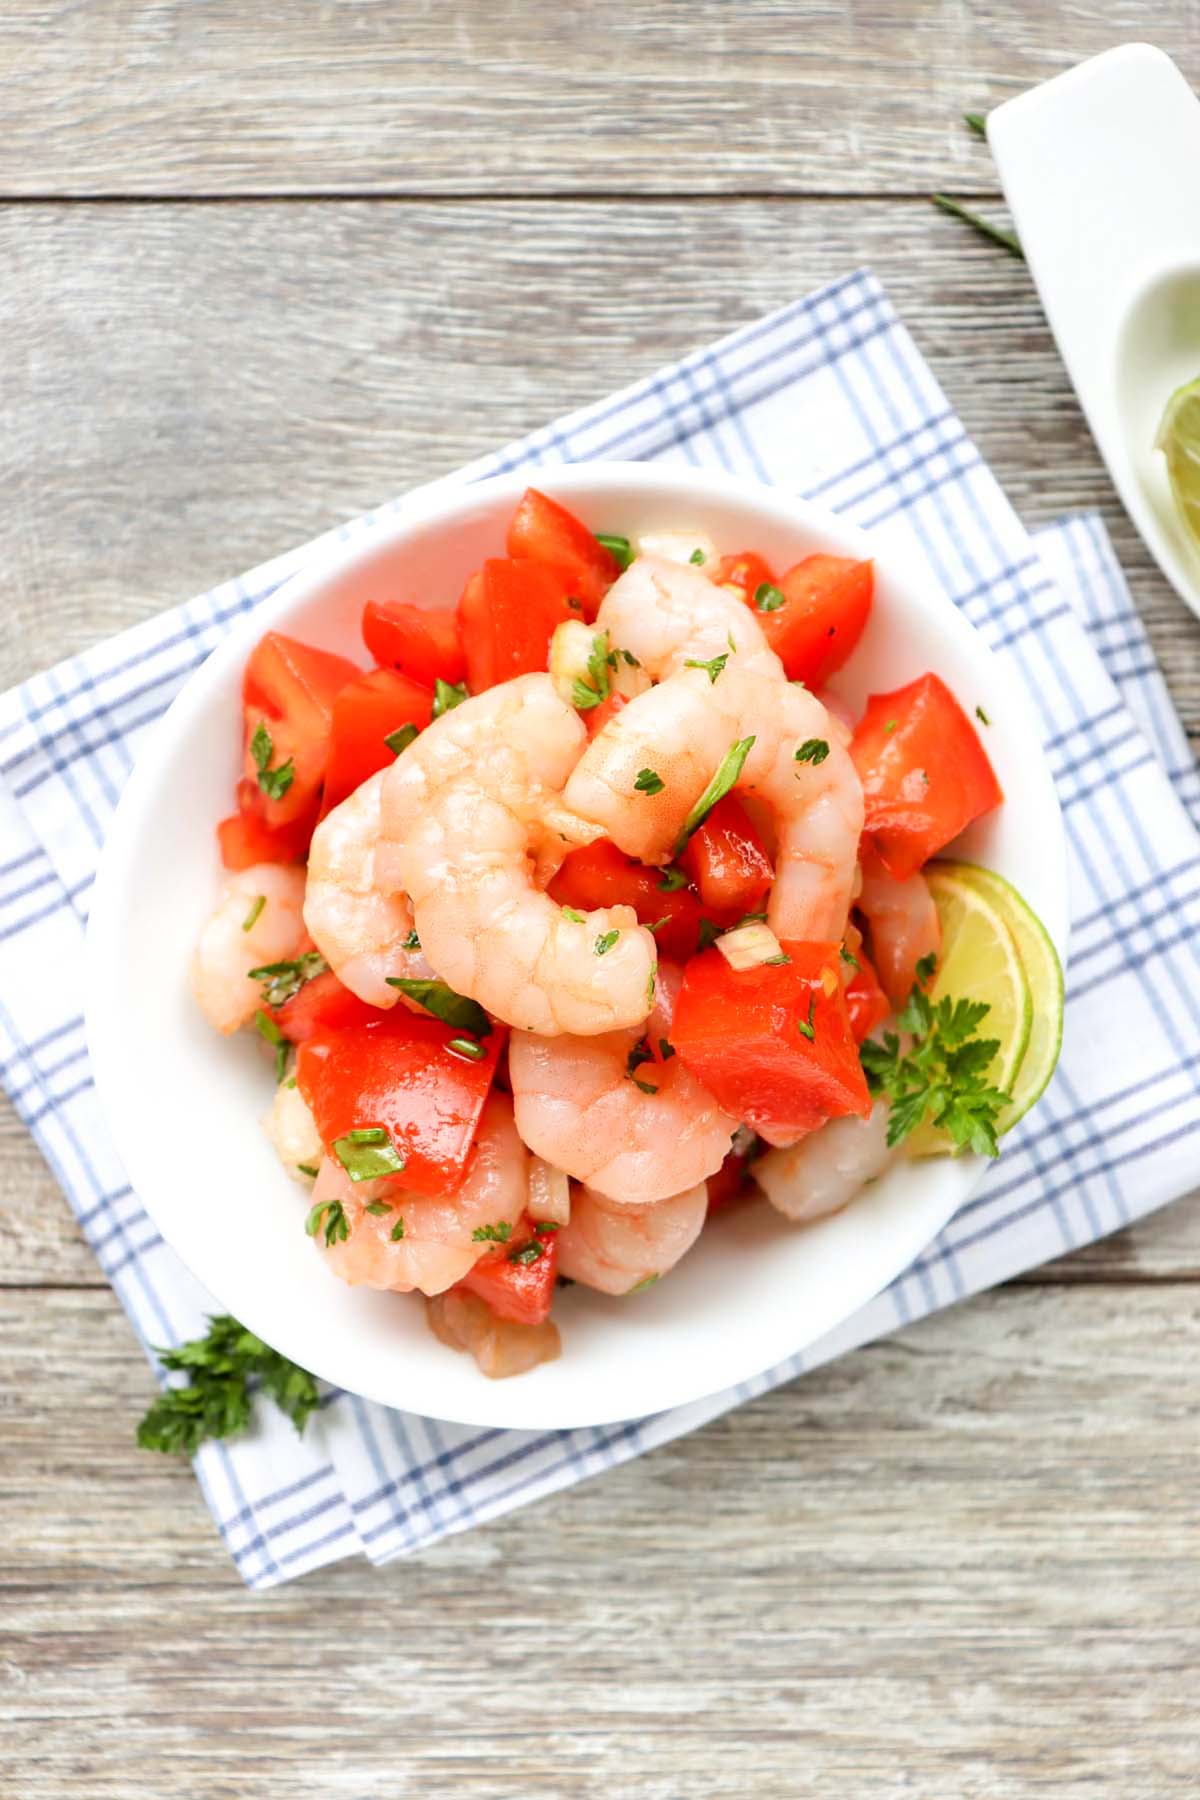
[(966, 1567), (530, 96)]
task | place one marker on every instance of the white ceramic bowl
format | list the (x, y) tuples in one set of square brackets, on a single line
[(184, 1104)]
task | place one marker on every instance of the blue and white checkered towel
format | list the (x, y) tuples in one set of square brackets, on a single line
[(828, 398)]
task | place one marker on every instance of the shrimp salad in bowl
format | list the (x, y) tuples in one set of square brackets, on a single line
[(586, 908)]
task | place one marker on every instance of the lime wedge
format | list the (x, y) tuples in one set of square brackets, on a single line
[(979, 961), (1179, 439), (1044, 973)]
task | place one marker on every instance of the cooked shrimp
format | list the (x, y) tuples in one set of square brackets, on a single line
[(826, 1169), (293, 1131), (360, 929), (438, 1246), (681, 731), (904, 925), (579, 1105), (473, 819), (240, 935), (665, 614), (618, 1248), (501, 1347)]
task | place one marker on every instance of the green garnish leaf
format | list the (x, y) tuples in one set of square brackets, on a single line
[(769, 598), (812, 750), (576, 917), (260, 900), (698, 557), (759, 918), (273, 782), (308, 1169), (499, 1233), (280, 980), (216, 1403), (261, 747), (771, 961), (805, 1027), (397, 1231), (1008, 240), (447, 695), (976, 122), (589, 693), (665, 1050), (659, 923), (377, 1208), (401, 738), (709, 933), (649, 782), (637, 1056), (442, 1001), (713, 668), (639, 1287), (647, 1087), (466, 1046), (328, 1219), (266, 1028), (848, 956), (672, 879), (411, 942), (890, 727), (631, 659), (926, 967), (368, 1153), (941, 1078), (605, 942), (528, 1253), (650, 984), (547, 1225), (620, 547), (982, 716), (724, 779)]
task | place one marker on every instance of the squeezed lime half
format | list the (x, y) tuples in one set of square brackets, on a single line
[(1179, 440)]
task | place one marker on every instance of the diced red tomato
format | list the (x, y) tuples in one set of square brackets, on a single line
[(598, 717), (726, 860), (924, 772), (289, 688), (365, 712), (245, 839), (508, 613), (322, 1004), (516, 1288), (826, 605), (543, 531), (398, 1072), (417, 640), (866, 1002), (601, 875), (747, 571), (745, 1036)]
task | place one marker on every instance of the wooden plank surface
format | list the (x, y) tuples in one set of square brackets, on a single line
[(961, 1563), (529, 96)]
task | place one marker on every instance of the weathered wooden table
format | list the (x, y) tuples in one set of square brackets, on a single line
[(262, 266)]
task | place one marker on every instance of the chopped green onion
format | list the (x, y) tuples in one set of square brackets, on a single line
[(368, 1153), (620, 547), (401, 738), (576, 917), (812, 750), (466, 1046), (377, 1208), (631, 659), (769, 598), (307, 1169), (659, 923), (447, 696), (259, 902), (982, 716), (649, 782), (806, 1027), (712, 668), (724, 779), (605, 942), (442, 1001), (1008, 240), (547, 1225), (329, 1218)]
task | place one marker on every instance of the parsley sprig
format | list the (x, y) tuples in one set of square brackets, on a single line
[(941, 1077), (598, 686), (217, 1400)]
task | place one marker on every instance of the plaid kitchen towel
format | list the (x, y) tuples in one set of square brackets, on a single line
[(828, 398)]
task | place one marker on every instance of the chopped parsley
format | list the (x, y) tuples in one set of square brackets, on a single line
[(665, 1050), (492, 1234), (805, 1027), (378, 1208), (547, 1225), (527, 1253), (308, 1169), (589, 693), (266, 1028), (727, 773), (713, 668), (401, 738), (637, 1056), (411, 942), (273, 782), (772, 961), (768, 598), (709, 933), (467, 1046), (397, 1231), (650, 984), (890, 727), (620, 547), (260, 900), (442, 1001), (698, 557), (631, 659), (649, 781), (982, 716), (647, 1087), (848, 956), (368, 1153), (926, 967), (280, 980), (447, 695), (217, 1400), (576, 917), (812, 750), (941, 1078), (328, 1220), (672, 879), (659, 923), (605, 942)]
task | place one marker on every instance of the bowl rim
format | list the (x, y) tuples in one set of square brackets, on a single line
[(435, 505)]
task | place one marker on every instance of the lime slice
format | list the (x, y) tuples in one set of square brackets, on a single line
[(1179, 438), (1044, 973), (979, 961)]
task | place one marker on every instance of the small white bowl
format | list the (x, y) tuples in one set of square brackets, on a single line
[(184, 1104)]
